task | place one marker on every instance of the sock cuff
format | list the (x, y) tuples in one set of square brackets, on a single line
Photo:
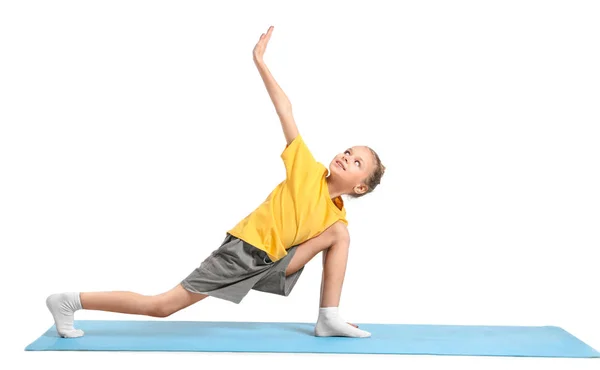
[(76, 300), (328, 310)]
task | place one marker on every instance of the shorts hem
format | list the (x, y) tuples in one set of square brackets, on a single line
[(290, 281), (190, 289)]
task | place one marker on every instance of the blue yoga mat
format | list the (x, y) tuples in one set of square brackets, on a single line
[(210, 336)]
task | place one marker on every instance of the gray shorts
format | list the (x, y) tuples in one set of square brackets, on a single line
[(236, 267)]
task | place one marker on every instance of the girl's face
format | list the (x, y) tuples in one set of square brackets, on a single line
[(352, 167)]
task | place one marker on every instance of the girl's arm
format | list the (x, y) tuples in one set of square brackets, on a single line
[(282, 104)]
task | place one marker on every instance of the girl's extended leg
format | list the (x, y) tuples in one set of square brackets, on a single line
[(63, 305), (161, 305), (334, 243)]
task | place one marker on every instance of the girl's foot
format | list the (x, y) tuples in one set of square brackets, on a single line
[(62, 307)]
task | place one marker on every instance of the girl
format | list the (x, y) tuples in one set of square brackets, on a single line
[(267, 250)]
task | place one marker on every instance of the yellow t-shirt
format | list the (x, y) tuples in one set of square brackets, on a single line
[(298, 209)]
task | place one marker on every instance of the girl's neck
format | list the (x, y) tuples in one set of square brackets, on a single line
[(335, 190)]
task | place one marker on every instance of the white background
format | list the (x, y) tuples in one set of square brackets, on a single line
[(135, 133)]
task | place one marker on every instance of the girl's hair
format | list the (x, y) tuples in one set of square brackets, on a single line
[(374, 179)]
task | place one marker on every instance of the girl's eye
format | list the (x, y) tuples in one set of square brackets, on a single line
[(357, 162)]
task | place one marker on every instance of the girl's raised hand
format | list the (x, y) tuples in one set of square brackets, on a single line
[(259, 49)]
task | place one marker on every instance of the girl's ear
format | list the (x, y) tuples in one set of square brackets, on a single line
[(361, 189)]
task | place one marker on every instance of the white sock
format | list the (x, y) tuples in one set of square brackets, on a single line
[(330, 324), (62, 306)]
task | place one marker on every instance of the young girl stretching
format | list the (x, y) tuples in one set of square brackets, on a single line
[(267, 250)]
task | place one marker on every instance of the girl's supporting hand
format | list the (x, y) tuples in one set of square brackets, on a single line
[(259, 49)]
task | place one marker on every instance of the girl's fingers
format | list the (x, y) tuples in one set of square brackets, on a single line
[(263, 40), (268, 34)]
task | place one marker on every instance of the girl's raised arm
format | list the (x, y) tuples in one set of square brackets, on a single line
[(283, 106)]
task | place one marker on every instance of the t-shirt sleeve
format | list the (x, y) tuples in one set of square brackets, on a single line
[(298, 160)]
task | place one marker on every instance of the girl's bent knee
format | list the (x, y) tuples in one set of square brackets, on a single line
[(340, 232)]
